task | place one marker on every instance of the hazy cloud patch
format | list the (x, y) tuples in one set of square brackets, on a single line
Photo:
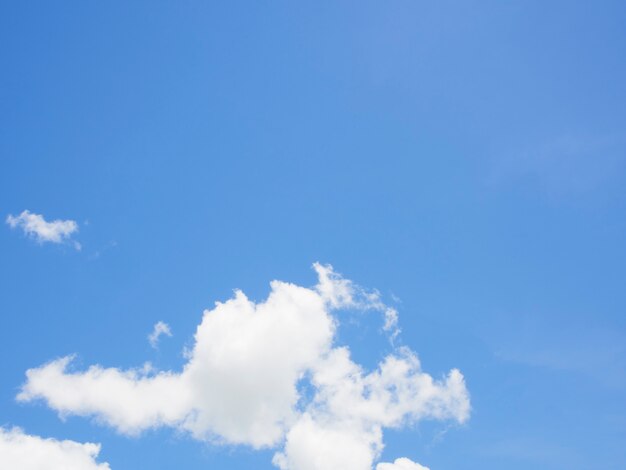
[(160, 328)]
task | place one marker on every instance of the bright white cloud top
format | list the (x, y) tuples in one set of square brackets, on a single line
[(20, 451), (160, 328), (242, 383), (35, 226), (401, 464)]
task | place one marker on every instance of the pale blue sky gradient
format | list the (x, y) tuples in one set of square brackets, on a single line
[(467, 158)]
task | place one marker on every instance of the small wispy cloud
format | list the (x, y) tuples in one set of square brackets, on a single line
[(537, 453), (570, 163), (391, 322), (36, 227), (160, 329), (597, 351)]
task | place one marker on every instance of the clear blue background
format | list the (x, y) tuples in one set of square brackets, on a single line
[(468, 158)]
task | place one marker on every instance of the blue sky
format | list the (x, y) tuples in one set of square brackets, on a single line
[(467, 160)]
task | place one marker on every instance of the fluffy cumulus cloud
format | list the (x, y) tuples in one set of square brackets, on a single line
[(20, 451), (35, 226), (268, 374)]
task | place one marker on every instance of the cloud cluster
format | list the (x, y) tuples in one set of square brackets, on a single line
[(20, 451), (34, 225), (268, 374)]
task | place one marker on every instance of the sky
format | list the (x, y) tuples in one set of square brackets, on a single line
[(325, 235)]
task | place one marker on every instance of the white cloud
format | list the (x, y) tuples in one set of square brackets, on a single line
[(34, 225), (401, 464), (391, 322), (315, 445), (242, 382), (160, 328), (20, 451), (350, 410)]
